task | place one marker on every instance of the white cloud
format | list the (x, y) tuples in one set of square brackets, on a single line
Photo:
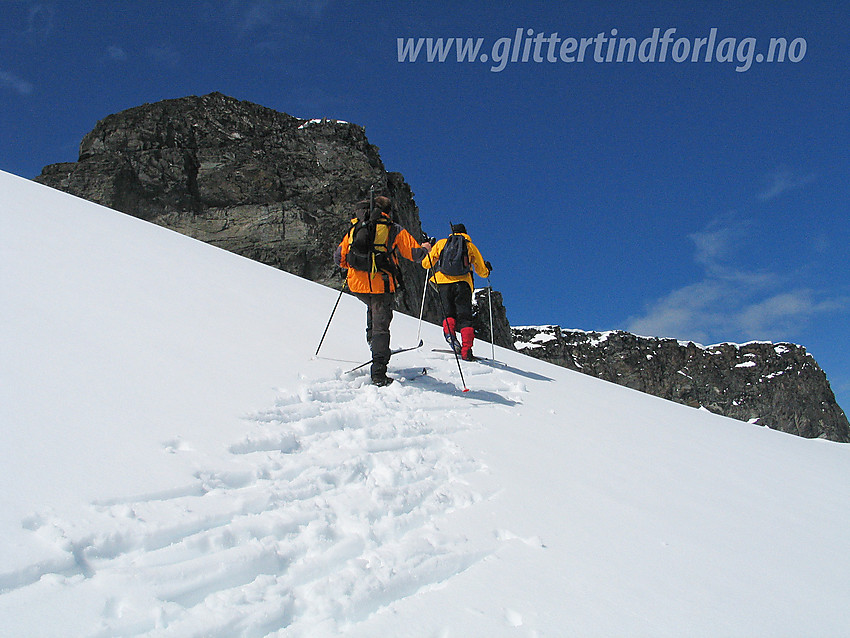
[(731, 303), (783, 311), (14, 83), (781, 181), (691, 312), (714, 243), (716, 248)]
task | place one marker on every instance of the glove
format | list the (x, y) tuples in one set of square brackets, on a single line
[(489, 266)]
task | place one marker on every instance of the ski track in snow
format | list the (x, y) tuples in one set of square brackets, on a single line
[(330, 513)]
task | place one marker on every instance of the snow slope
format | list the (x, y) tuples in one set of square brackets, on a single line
[(176, 463)]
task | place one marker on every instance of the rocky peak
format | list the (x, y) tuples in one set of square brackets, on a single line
[(260, 183), (191, 123)]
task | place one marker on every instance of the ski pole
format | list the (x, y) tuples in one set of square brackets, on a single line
[(490, 307), (422, 305), (424, 290), (322, 340)]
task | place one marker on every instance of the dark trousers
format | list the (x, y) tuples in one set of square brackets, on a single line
[(457, 303), (379, 314)]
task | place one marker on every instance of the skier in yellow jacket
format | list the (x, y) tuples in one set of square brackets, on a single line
[(453, 260)]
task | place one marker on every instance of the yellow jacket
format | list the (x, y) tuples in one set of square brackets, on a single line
[(475, 259)]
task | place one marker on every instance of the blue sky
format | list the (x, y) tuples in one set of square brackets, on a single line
[(682, 199)]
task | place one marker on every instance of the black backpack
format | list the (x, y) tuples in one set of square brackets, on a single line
[(370, 242), (454, 258)]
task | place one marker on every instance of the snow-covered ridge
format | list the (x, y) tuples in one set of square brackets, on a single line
[(543, 336), (596, 338)]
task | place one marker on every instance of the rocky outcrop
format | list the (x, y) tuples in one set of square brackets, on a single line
[(260, 183), (777, 385), (501, 332)]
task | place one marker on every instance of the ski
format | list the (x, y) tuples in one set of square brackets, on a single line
[(447, 351), (501, 366), (392, 352), (477, 357), (406, 377)]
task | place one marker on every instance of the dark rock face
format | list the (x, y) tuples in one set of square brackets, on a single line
[(781, 385), (481, 319), (257, 182)]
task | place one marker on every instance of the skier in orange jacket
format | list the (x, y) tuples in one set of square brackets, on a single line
[(374, 283)]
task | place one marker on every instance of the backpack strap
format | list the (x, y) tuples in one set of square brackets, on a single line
[(394, 270)]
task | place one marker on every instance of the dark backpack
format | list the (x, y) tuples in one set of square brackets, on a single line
[(454, 258), (369, 243)]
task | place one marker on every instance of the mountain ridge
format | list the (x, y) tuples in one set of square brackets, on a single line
[(279, 189), (779, 385)]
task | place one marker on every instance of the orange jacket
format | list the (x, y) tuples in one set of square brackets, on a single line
[(359, 281), (475, 259)]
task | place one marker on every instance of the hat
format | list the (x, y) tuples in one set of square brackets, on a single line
[(458, 228), (383, 204)]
